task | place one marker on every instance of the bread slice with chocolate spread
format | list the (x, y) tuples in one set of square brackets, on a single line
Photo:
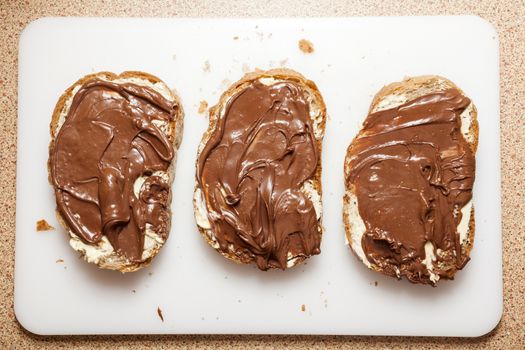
[(409, 175), (258, 181), (114, 141)]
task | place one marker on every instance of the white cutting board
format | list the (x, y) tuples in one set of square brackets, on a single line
[(197, 290)]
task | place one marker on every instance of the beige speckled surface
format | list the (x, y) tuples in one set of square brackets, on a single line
[(507, 16)]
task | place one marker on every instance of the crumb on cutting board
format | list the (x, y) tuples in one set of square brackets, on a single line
[(236, 38), (225, 83), (59, 261), (206, 66), (43, 225), (303, 308), (203, 106), (306, 46), (375, 283), (159, 312)]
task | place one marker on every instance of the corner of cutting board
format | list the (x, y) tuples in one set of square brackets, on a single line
[(24, 318), (492, 322), (485, 26), (31, 29)]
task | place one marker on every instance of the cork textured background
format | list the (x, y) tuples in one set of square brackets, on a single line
[(506, 16)]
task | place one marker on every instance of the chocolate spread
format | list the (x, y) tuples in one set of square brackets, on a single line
[(412, 172), (252, 169), (108, 140)]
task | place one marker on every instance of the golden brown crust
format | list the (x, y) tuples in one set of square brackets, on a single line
[(176, 127), (214, 114), (413, 87)]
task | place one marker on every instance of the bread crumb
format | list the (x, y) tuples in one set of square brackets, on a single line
[(159, 312), (206, 67), (203, 106), (42, 225), (236, 38), (375, 283), (306, 46), (133, 291), (59, 261), (303, 308), (225, 83)]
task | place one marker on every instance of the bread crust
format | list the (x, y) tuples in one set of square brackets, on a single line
[(113, 261), (412, 88), (284, 74)]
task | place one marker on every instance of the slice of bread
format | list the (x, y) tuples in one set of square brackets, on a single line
[(311, 188), (389, 97), (103, 253)]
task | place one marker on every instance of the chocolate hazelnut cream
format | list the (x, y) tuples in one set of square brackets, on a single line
[(412, 171), (252, 170), (108, 140)]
